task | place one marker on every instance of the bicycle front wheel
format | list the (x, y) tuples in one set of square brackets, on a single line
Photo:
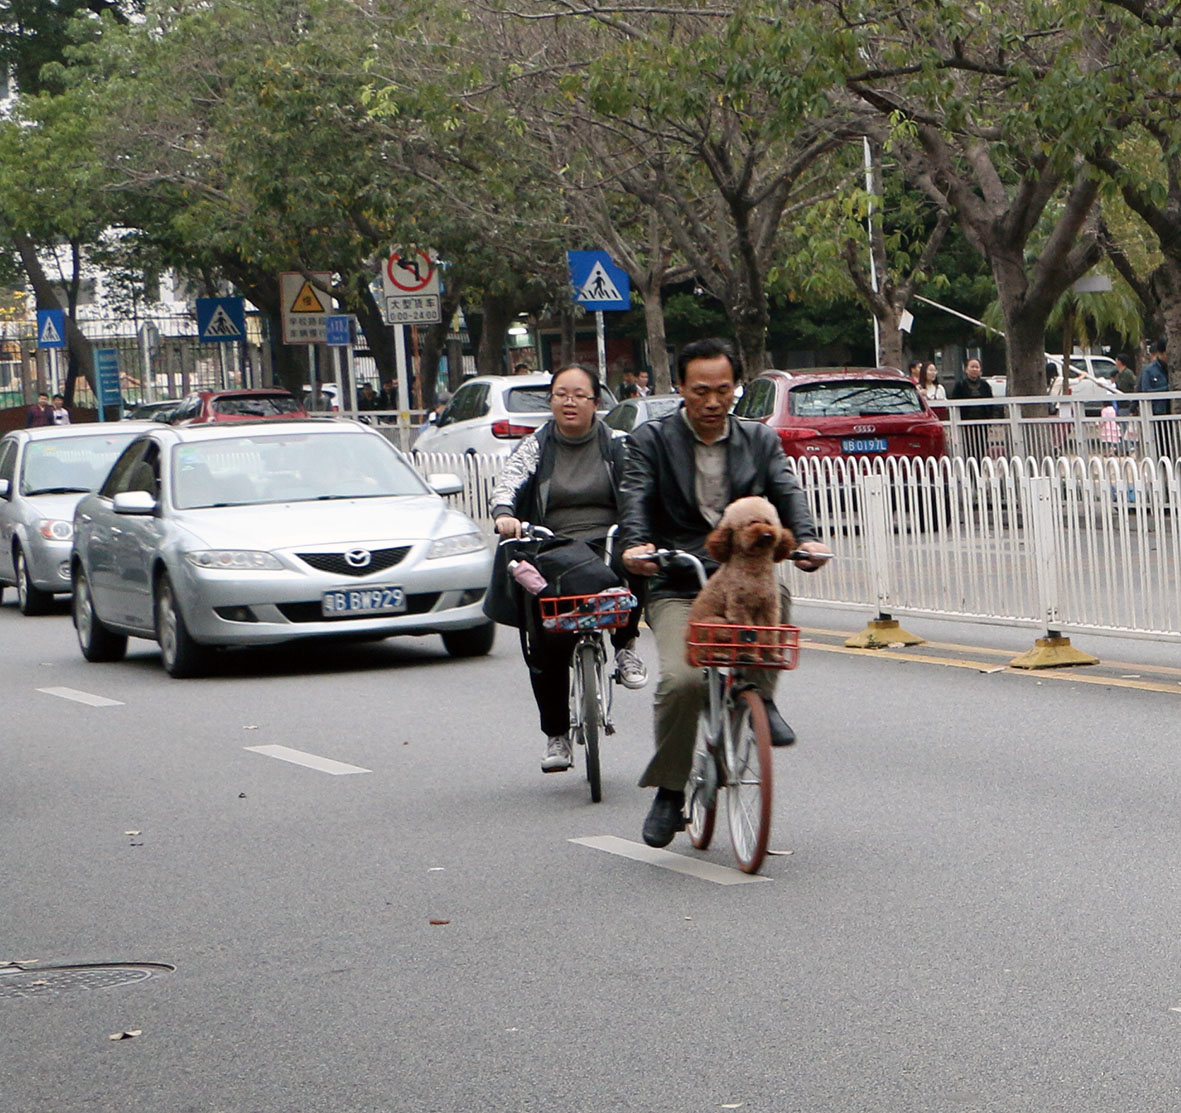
[(748, 796), (701, 793), (587, 686)]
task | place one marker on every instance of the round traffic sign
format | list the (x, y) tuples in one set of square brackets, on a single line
[(410, 274)]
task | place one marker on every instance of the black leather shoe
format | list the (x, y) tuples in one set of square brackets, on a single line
[(664, 821), (781, 733)]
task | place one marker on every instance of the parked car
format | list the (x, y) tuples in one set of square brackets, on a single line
[(491, 413), (152, 411), (633, 412), (844, 412), (1092, 378), (204, 406), (43, 474), (233, 535)]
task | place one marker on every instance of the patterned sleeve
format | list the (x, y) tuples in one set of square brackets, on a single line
[(515, 474)]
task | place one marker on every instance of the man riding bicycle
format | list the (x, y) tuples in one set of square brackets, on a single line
[(681, 473)]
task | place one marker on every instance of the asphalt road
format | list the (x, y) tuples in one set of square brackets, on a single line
[(978, 911)]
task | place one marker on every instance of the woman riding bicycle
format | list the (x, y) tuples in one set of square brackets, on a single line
[(565, 477)]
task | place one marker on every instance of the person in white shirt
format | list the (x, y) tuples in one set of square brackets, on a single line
[(61, 416), (930, 386)]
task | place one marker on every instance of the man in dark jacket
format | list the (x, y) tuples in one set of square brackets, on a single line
[(681, 473), (1154, 376), (39, 414)]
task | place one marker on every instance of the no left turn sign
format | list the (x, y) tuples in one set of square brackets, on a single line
[(410, 274)]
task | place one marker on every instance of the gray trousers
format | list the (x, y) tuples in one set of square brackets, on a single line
[(680, 693)]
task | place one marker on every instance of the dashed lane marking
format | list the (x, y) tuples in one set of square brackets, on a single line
[(666, 859), (309, 761), (82, 697)]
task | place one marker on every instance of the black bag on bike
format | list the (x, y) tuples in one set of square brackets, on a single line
[(570, 568)]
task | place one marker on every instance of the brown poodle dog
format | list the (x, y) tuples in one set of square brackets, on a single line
[(747, 542)]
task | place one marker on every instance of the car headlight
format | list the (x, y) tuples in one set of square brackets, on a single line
[(455, 546), (54, 529), (234, 560)]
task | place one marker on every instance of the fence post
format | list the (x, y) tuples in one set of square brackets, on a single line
[(1052, 651), (875, 524)]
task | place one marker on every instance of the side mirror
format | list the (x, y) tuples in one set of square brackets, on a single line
[(433, 417), (5, 488), (133, 502), (444, 483)]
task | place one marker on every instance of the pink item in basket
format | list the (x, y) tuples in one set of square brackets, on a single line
[(528, 576)]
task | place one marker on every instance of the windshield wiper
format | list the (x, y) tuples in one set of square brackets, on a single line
[(59, 491)]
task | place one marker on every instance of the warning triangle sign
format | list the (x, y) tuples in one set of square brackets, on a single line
[(306, 301), (598, 286), (220, 324), (49, 334)]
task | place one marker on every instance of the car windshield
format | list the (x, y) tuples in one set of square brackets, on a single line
[(54, 467), (258, 405), (246, 471), (527, 400), (854, 399)]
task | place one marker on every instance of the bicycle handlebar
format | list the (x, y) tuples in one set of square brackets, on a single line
[(664, 557)]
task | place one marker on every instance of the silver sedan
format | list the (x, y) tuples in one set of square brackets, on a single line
[(43, 474), (224, 535)]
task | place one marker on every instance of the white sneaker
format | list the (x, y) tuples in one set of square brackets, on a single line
[(632, 673), (558, 755)]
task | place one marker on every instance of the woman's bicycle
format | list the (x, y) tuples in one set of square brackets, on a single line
[(732, 750), (591, 685)]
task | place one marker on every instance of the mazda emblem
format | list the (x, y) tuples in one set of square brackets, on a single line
[(358, 558)]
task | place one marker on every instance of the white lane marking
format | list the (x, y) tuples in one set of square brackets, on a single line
[(311, 761), (666, 859), (82, 697)]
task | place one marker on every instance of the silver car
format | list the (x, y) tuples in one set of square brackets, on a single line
[(43, 474), (254, 534)]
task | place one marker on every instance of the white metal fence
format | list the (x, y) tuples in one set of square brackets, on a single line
[(1066, 543)]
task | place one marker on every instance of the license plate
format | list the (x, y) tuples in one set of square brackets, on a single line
[(363, 600), (864, 444)]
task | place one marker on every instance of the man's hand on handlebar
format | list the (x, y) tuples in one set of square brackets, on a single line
[(508, 526), (823, 554), (634, 562)]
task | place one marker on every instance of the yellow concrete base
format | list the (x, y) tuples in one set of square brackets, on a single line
[(1054, 652), (880, 633)]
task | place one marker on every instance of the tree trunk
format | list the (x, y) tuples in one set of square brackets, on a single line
[(750, 337), (1166, 286), (498, 314), (378, 335), (566, 344), (654, 331), (434, 340), (890, 339), (1025, 349)]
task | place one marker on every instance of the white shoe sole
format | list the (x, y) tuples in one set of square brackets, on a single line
[(556, 768)]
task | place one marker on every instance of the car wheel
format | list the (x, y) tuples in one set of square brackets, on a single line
[(29, 596), (182, 657), (96, 641), (474, 642)]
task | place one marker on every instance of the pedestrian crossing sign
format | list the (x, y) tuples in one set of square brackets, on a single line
[(51, 328), (221, 320), (598, 283)]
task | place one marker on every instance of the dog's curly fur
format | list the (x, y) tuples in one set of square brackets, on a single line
[(747, 542)]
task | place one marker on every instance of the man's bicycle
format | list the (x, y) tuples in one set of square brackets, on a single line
[(591, 616), (732, 750)]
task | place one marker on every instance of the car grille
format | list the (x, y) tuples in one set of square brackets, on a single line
[(312, 612), (335, 563)]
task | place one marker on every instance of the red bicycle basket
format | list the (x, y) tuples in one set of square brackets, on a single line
[(719, 644), (604, 611)]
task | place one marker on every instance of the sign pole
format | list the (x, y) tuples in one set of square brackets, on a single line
[(601, 342), (346, 354), (403, 386)]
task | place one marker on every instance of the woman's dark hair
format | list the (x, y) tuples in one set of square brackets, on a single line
[(596, 386), (708, 349)]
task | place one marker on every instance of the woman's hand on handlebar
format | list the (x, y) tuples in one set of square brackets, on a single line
[(508, 526), (634, 562), (818, 561)]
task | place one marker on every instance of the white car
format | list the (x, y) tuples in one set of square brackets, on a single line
[(491, 413), (260, 533)]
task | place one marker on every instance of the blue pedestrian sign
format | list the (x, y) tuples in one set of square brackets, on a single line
[(221, 320), (51, 328), (106, 379), (336, 330), (598, 283)]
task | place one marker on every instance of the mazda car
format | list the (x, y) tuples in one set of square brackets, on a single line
[(205, 537)]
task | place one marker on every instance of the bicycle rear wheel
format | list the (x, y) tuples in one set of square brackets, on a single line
[(701, 793), (748, 796), (586, 685)]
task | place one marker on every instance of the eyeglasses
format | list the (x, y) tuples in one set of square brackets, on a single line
[(576, 396)]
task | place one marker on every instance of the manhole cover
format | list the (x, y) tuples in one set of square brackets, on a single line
[(49, 981)]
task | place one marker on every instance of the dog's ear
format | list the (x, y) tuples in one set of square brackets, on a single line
[(719, 543), (784, 545)]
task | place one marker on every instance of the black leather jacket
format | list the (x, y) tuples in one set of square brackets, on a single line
[(659, 491)]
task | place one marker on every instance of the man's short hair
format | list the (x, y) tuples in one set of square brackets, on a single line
[(59, 398), (42, 394), (708, 349), (1124, 358), (1161, 345)]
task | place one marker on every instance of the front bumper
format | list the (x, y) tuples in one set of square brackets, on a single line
[(48, 563)]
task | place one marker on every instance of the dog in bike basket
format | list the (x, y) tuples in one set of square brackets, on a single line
[(747, 543)]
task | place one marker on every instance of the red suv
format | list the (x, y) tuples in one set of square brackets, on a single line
[(205, 406), (850, 412)]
